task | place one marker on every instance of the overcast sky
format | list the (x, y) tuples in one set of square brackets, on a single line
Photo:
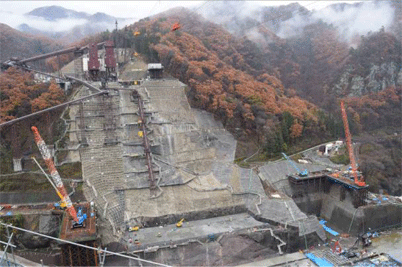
[(130, 9)]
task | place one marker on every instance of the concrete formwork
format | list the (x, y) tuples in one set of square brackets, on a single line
[(330, 201)]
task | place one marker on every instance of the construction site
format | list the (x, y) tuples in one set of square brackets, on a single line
[(161, 187)]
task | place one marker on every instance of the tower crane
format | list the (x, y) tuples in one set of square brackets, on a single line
[(358, 181), (60, 189), (299, 172)]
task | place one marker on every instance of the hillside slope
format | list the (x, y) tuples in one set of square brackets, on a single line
[(76, 25), (14, 43), (226, 76)]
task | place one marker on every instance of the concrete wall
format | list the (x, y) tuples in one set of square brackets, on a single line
[(342, 215), (229, 249), (375, 217)]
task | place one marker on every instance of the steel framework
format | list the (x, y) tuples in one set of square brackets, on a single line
[(147, 149), (98, 250)]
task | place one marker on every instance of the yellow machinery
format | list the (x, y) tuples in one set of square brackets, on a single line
[(134, 228), (180, 223)]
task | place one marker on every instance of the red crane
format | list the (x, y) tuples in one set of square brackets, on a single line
[(61, 191), (359, 182)]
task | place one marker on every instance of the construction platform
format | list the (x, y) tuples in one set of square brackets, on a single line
[(348, 183), (147, 238), (324, 178), (86, 233)]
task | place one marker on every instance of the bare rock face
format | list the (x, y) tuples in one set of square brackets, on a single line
[(379, 78), (399, 78), (357, 86), (48, 225), (32, 241)]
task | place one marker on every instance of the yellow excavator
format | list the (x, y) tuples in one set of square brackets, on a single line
[(133, 228), (180, 223)]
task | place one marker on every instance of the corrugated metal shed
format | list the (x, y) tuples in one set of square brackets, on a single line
[(110, 60), (93, 63), (155, 66)]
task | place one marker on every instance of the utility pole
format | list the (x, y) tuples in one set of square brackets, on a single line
[(115, 45), (125, 44)]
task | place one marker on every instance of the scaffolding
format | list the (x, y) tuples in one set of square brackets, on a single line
[(109, 111), (83, 140), (96, 250), (147, 149)]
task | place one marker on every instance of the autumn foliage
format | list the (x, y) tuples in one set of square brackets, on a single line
[(374, 110), (223, 73), (20, 95)]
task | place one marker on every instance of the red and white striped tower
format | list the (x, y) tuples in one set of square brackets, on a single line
[(53, 172)]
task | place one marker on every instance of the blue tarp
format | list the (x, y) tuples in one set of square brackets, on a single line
[(329, 230), (319, 261)]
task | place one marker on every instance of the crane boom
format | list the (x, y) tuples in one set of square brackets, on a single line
[(50, 181), (357, 181), (53, 172), (299, 172)]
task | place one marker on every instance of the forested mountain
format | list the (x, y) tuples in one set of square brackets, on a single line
[(67, 25), (281, 89), (285, 92), (14, 43)]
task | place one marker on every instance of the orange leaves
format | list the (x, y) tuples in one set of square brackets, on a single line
[(51, 98), (20, 96), (296, 130), (225, 75)]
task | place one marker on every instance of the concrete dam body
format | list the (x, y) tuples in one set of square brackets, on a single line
[(192, 163)]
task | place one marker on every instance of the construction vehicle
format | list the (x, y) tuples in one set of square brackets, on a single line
[(299, 172), (337, 247), (180, 223), (61, 205), (133, 228), (357, 180), (82, 216), (78, 220)]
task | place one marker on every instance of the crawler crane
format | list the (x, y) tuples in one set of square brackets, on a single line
[(357, 180), (60, 189)]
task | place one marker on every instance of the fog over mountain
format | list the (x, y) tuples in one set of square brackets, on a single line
[(287, 21), (349, 19), (61, 23)]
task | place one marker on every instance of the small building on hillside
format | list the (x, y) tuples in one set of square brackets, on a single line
[(155, 70)]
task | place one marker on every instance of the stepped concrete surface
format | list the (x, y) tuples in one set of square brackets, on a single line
[(171, 234), (192, 162)]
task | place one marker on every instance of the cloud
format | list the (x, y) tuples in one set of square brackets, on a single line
[(14, 20), (230, 13), (294, 26), (352, 20), (53, 26)]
